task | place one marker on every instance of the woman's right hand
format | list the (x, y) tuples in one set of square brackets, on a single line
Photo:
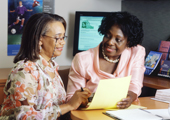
[(79, 98)]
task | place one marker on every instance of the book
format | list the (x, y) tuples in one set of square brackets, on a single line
[(152, 61), (164, 47), (164, 68), (132, 114), (162, 95)]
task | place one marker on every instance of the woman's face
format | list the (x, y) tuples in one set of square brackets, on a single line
[(114, 42), (48, 41)]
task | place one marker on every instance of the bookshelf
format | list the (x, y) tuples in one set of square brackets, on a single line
[(156, 82)]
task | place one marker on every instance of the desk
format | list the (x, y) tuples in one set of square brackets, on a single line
[(98, 115)]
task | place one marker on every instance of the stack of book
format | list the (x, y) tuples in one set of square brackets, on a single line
[(165, 68), (162, 56), (164, 47)]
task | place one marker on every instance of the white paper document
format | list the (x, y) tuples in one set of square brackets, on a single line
[(162, 95), (133, 114)]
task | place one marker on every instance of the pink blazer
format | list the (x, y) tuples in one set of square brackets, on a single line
[(85, 72)]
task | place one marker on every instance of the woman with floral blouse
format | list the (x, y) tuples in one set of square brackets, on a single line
[(34, 89)]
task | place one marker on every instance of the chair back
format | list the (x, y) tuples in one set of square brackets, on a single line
[(64, 76)]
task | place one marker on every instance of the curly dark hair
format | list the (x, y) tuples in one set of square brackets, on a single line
[(130, 25)]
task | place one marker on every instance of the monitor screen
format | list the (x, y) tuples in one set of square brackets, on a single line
[(86, 34)]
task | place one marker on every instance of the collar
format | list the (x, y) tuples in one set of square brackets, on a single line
[(43, 63), (123, 61)]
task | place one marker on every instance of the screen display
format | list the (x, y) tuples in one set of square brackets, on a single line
[(88, 32)]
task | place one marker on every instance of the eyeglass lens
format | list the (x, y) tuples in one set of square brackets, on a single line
[(63, 38)]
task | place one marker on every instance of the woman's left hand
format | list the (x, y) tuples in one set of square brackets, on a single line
[(126, 102)]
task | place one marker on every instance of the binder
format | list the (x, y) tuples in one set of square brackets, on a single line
[(132, 114)]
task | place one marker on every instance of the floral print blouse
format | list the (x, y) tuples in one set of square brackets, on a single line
[(29, 83)]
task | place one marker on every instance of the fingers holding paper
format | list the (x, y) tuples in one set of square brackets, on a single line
[(126, 102)]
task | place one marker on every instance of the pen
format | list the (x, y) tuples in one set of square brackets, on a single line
[(82, 89)]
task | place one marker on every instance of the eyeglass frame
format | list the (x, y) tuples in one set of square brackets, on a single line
[(62, 38)]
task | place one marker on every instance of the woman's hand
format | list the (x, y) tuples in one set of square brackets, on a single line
[(126, 102), (79, 98)]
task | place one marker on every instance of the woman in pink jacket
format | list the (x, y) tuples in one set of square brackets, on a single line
[(118, 55)]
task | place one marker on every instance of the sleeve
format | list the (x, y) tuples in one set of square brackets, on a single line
[(76, 78), (25, 96), (137, 71)]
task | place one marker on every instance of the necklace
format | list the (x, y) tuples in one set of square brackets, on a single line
[(107, 59)]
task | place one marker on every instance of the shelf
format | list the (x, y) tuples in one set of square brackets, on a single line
[(156, 82)]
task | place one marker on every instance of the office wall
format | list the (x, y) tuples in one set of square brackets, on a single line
[(65, 8), (155, 15)]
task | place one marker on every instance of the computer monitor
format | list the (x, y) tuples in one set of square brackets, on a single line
[(86, 34)]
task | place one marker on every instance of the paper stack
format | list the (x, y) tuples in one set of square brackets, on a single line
[(162, 95)]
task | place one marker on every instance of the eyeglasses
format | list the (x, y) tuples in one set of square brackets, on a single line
[(57, 39)]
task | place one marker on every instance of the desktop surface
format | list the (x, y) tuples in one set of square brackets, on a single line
[(98, 114)]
